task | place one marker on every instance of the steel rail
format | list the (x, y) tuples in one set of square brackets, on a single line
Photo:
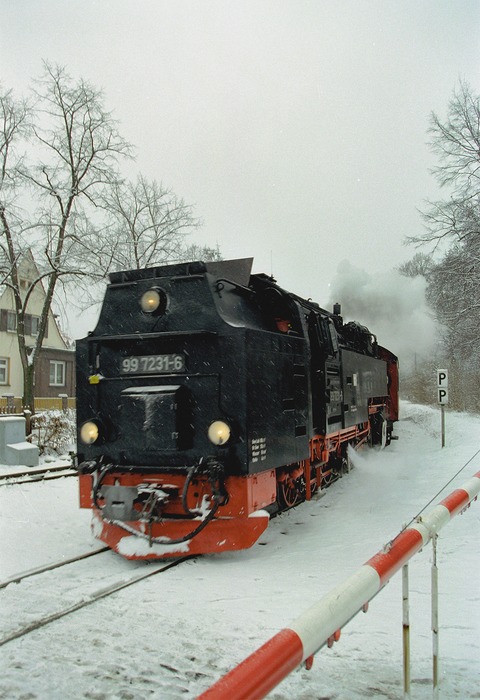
[(27, 471), (34, 475), (92, 598), (16, 578)]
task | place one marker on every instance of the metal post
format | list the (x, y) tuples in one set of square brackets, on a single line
[(406, 633), (435, 617), (442, 409)]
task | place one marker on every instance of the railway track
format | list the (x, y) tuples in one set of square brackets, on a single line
[(141, 572), (32, 474), (49, 567)]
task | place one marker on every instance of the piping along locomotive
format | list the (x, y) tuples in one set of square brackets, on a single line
[(209, 398)]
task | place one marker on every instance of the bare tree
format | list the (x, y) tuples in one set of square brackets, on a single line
[(205, 253), (421, 265), (74, 149), (14, 115), (146, 224), (456, 142)]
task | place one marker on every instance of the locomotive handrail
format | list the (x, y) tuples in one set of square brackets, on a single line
[(147, 335), (246, 290), (259, 673)]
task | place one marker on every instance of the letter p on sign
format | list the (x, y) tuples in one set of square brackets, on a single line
[(442, 386)]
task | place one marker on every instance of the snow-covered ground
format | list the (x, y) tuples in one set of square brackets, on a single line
[(174, 634)]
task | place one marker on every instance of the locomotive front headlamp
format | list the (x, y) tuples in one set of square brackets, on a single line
[(89, 432), (150, 301), (219, 432)]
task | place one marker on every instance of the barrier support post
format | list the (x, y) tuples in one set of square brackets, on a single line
[(435, 617), (406, 633)]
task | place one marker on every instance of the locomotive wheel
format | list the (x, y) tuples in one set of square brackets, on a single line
[(379, 431), (347, 465), (328, 477), (290, 492)]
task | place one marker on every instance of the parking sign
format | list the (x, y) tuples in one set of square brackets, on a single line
[(442, 386)]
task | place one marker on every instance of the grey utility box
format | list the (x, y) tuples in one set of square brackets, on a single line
[(14, 449)]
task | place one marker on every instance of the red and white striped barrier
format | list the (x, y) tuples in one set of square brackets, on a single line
[(254, 677)]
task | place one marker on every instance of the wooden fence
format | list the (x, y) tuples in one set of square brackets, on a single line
[(13, 404)]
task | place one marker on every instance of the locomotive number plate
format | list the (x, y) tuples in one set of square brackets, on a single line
[(153, 364)]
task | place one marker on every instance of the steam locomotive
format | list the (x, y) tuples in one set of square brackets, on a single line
[(209, 399)]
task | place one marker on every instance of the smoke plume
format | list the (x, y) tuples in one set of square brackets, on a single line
[(392, 306)]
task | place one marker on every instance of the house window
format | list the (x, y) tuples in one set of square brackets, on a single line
[(57, 373), (4, 370), (35, 322), (11, 321)]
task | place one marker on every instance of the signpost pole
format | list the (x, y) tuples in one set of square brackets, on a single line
[(442, 408), (442, 392)]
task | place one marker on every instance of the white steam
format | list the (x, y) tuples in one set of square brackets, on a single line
[(392, 306)]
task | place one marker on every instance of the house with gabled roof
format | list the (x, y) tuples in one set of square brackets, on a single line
[(55, 371)]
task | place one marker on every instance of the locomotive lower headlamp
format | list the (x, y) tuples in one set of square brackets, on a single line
[(89, 432), (150, 301), (219, 432)]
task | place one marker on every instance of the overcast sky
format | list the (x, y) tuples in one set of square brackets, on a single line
[(297, 128)]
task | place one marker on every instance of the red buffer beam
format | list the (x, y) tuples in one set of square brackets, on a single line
[(263, 670)]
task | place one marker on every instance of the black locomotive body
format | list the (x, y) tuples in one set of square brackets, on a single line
[(209, 398)]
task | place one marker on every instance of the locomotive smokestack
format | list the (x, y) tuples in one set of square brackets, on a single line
[(337, 309)]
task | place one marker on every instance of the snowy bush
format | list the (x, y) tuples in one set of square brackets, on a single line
[(54, 431)]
